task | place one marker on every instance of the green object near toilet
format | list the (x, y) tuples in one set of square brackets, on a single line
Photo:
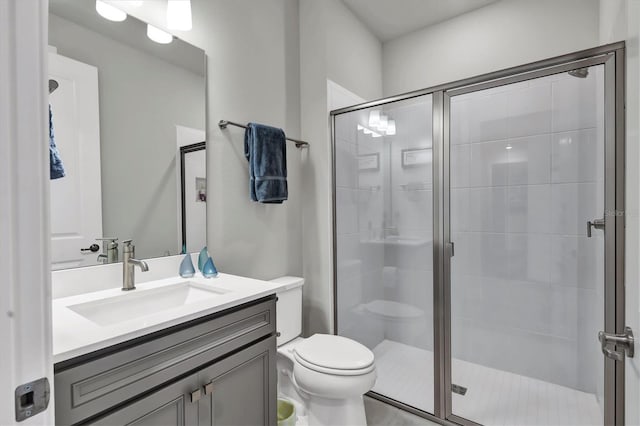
[(286, 413)]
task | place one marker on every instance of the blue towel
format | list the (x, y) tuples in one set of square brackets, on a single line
[(266, 151), (56, 169)]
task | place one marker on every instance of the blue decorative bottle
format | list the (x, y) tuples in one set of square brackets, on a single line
[(202, 258), (209, 270), (186, 267)]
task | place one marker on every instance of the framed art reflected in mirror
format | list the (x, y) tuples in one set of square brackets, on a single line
[(193, 190)]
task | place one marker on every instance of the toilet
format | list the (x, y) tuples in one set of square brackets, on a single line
[(324, 376)]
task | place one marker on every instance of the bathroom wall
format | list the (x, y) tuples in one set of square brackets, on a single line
[(501, 35), (137, 139), (334, 45), (252, 75)]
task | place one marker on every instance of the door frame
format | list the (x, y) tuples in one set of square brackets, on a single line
[(612, 56), (25, 304)]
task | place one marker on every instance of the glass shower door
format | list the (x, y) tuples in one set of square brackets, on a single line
[(527, 171), (384, 256)]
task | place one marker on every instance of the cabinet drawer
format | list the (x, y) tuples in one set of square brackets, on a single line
[(93, 386)]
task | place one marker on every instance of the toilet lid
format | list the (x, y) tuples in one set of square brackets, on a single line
[(327, 351)]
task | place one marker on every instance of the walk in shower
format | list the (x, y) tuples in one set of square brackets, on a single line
[(468, 252)]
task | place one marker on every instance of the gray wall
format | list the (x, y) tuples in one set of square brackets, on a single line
[(142, 99), (252, 75), (334, 45), (501, 35)]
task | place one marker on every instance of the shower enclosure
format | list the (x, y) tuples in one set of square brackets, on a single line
[(478, 242)]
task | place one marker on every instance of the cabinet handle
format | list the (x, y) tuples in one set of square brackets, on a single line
[(208, 388), (196, 395)]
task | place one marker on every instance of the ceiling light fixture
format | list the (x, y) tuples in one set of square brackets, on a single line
[(159, 36), (374, 118), (382, 124), (110, 12), (391, 128), (179, 15)]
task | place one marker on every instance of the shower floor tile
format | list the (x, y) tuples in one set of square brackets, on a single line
[(493, 398)]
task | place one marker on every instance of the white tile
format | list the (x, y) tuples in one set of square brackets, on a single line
[(460, 211), (574, 103), (563, 316), (460, 121), (346, 211), (460, 165), (576, 155), (413, 209), (488, 164), (572, 205), (529, 209), (489, 209), (529, 111), (529, 256), (575, 261), (348, 248), (492, 254), (488, 117), (530, 160), (346, 166)]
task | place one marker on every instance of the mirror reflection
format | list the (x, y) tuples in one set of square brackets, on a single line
[(122, 107)]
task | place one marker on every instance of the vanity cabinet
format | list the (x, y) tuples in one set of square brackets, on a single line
[(217, 370)]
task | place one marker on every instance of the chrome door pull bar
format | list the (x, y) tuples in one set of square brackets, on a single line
[(595, 223), (624, 341)]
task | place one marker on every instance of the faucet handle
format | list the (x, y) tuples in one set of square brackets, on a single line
[(127, 246)]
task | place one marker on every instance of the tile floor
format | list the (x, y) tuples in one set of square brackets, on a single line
[(494, 397)]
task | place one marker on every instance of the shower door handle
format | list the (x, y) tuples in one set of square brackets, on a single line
[(595, 223), (624, 341)]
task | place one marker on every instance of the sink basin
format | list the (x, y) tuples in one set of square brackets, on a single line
[(140, 303)]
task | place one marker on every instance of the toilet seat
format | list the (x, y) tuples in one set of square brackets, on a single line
[(335, 355)]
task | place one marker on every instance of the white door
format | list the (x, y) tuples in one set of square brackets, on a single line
[(76, 201)]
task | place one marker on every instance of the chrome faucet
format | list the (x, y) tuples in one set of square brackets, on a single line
[(128, 266), (109, 250)]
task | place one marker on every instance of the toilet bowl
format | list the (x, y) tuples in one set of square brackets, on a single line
[(325, 376)]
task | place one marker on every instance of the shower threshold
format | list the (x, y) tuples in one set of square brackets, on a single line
[(493, 398)]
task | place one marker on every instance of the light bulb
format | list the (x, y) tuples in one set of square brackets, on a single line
[(110, 12), (391, 127), (382, 124), (159, 36), (374, 118), (179, 15)]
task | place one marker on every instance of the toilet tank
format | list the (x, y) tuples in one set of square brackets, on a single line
[(289, 308)]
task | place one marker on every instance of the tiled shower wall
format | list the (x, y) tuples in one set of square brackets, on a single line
[(384, 228), (526, 175)]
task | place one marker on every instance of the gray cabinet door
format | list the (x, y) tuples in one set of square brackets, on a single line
[(169, 406), (241, 389)]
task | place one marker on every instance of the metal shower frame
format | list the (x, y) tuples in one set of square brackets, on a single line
[(612, 56)]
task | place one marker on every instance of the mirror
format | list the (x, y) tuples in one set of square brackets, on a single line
[(123, 107)]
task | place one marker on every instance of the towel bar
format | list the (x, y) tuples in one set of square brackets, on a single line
[(224, 123)]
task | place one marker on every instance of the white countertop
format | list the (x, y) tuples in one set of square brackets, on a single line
[(75, 335)]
